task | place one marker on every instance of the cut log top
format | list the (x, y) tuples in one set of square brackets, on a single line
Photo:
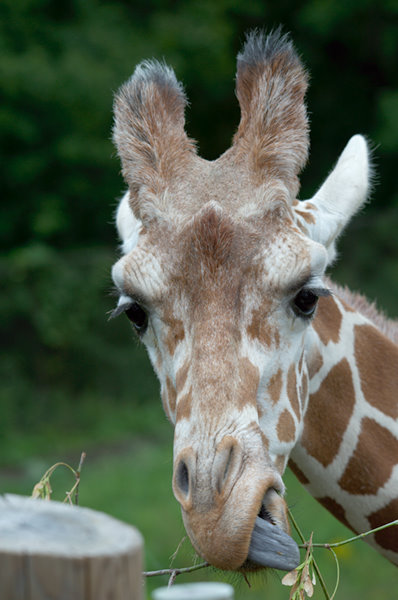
[(55, 551), (45, 527)]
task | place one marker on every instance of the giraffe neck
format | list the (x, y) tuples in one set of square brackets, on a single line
[(347, 454)]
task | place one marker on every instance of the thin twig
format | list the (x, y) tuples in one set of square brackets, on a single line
[(176, 571), (68, 497), (173, 556), (317, 570), (42, 489), (338, 573), (352, 539), (77, 475), (172, 579)]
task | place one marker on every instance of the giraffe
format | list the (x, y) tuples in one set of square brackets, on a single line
[(262, 360)]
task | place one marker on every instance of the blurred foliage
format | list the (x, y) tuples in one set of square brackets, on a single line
[(64, 368)]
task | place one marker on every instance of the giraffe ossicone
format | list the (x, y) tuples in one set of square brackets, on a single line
[(261, 359)]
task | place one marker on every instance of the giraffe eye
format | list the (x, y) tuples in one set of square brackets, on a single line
[(304, 303), (138, 317)]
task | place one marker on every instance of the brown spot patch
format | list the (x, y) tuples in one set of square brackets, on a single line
[(184, 406), (182, 375), (159, 360), (264, 439), (292, 390), (275, 386), (311, 206), (315, 363), (327, 321), (307, 216), (175, 334), (171, 395), (259, 328), (377, 361), (336, 509), (286, 428), (387, 538), (249, 380), (374, 458), (280, 463), (328, 413), (298, 472)]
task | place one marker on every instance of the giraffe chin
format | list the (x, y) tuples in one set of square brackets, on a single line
[(254, 543)]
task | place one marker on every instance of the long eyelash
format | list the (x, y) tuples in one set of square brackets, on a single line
[(114, 292), (120, 308), (325, 292), (116, 312)]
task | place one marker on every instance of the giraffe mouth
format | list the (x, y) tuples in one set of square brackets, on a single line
[(270, 546)]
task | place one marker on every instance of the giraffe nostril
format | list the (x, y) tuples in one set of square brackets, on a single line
[(182, 477), (226, 464)]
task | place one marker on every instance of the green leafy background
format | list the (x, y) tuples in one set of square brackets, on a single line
[(70, 380)]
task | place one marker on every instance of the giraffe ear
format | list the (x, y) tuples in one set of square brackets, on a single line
[(149, 134), (339, 198), (271, 82), (128, 226)]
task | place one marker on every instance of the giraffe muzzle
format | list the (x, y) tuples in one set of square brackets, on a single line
[(232, 512)]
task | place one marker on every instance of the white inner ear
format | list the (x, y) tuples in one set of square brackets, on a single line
[(341, 195), (128, 226)]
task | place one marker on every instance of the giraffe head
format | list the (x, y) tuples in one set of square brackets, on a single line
[(220, 275)]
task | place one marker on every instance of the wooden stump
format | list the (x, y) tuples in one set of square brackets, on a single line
[(54, 551)]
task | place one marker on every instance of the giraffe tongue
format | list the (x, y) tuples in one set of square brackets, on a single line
[(272, 547)]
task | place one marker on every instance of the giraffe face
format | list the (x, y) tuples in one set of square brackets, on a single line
[(226, 312), (220, 276)]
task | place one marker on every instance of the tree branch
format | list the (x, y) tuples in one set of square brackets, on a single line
[(175, 572)]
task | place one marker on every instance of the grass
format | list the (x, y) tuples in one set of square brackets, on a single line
[(131, 480)]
